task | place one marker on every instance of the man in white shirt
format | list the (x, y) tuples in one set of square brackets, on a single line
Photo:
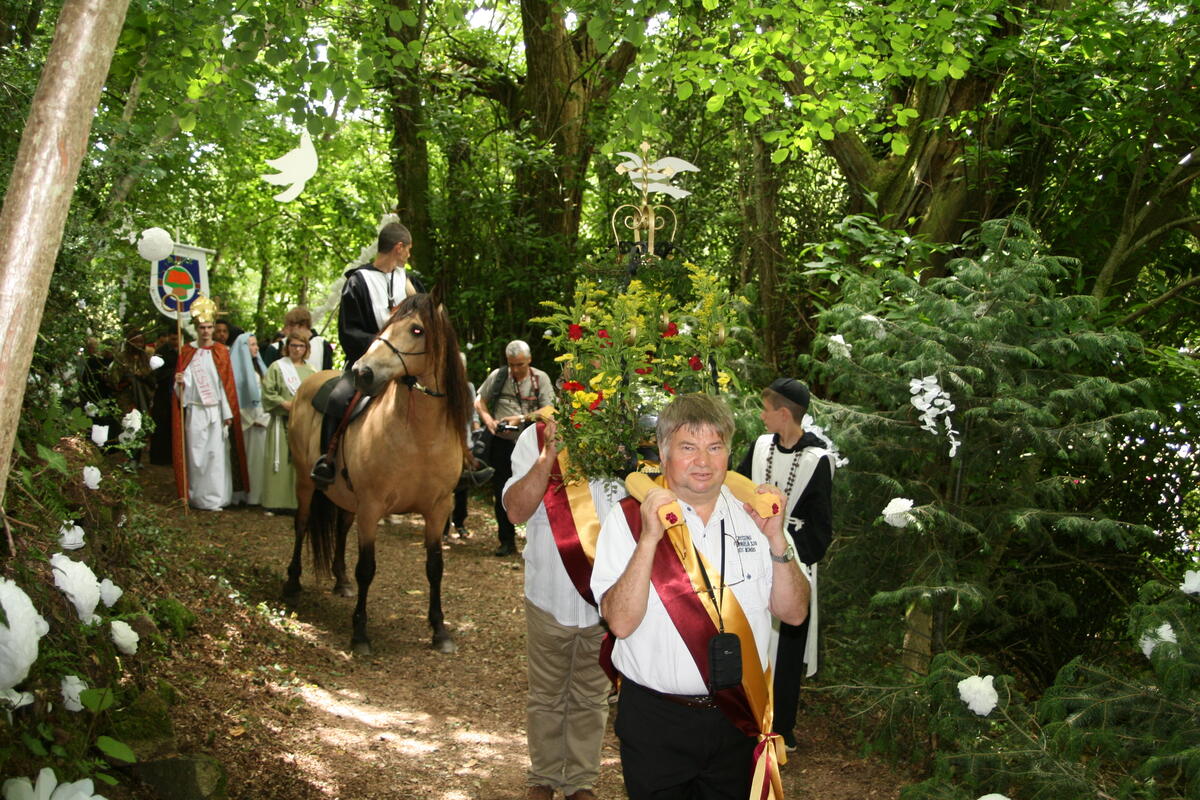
[(567, 707), (680, 733)]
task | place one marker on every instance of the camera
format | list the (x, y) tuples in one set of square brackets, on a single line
[(503, 426)]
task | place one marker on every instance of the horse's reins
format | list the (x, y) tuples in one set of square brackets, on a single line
[(400, 355)]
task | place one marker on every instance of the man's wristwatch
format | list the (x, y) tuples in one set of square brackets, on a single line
[(787, 556)]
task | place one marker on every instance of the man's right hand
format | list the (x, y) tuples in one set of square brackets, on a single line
[(490, 422)]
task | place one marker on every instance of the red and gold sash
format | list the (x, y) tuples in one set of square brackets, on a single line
[(677, 579), (574, 521)]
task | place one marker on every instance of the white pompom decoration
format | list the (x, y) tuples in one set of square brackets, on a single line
[(155, 244)]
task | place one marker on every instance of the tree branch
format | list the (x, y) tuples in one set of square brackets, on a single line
[(1158, 301)]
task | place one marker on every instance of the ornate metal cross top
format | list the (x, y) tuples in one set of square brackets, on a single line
[(647, 218)]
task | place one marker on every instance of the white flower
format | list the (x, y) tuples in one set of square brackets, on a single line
[(835, 455), (124, 637), (90, 409), (875, 324), (81, 304), (78, 583), (932, 401), (48, 788), (1151, 640), (70, 536), (110, 593), (91, 477), (71, 687), (978, 694), (1191, 582), (125, 437), (156, 362), (132, 421), (99, 434), (897, 512), (13, 700), (839, 347), (19, 637)]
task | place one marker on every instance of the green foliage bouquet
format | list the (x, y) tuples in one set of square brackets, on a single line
[(624, 354)]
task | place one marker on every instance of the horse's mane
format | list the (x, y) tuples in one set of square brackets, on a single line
[(442, 342)]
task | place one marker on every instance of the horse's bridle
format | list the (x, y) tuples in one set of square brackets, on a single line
[(400, 354)]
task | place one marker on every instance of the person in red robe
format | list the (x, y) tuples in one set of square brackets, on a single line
[(205, 476)]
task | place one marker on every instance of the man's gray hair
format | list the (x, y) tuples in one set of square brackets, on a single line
[(517, 348), (693, 411)]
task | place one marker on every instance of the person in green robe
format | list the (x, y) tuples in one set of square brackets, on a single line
[(278, 388)]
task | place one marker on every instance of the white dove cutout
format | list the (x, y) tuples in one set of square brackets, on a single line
[(652, 177), (295, 168)]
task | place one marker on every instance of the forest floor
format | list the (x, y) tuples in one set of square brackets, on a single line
[(275, 695)]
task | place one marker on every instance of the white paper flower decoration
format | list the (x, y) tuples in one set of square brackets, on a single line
[(125, 437), (155, 244), (124, 637), (99, 434), (91, 409), (71, 687), (70, 536), (132, 421), (48, 788), (993, 796), (978, 694), (1191, 582), (91, 477), (839, 347), (110, 593), (295, 168), (816, 430), (19, 637), (898, 512), (1164, 633), (79, 584), (12, 700), (156, 362)]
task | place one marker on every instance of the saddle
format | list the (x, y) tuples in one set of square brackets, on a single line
[(320, 400)]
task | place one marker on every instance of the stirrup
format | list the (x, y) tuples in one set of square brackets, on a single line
[(323, 473)]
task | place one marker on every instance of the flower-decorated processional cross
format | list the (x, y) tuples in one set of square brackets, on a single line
[(626, 351)]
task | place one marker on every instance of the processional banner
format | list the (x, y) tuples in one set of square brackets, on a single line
[(179, 279)]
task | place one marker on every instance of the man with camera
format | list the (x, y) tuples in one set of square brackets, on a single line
[(690, 607), (507, 401)]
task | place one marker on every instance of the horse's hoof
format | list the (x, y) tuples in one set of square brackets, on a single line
[(343, 590), (445, 645), (361, 648)]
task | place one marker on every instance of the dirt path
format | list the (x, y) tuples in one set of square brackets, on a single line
[(280, 701)]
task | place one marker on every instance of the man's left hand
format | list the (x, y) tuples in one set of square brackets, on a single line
[(772, 527)]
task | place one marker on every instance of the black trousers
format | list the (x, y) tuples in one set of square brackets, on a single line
[(500, 459), (339, 401), (459, 515), (789, 673), (672, 752)]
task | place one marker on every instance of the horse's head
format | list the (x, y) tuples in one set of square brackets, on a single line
[(405, 346)]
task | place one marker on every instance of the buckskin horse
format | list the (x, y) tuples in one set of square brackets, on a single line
[(403, 454)]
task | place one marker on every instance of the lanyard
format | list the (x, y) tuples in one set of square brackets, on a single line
[(708, 583)]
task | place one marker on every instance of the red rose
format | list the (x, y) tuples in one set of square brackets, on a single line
[(572, 386), (603, 333), (667, 386), (671, 518), (672, 330), (574, 332), (774, 508), (644, 370), (695, 363), (596, 403)]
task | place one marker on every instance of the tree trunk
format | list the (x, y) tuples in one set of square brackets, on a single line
[(918, 639), (410, 154), (765, 249), (40, 189)]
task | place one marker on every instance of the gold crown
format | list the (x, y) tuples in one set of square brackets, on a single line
[(204, 309)]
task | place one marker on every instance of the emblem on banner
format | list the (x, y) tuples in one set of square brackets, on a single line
[(177, 280)]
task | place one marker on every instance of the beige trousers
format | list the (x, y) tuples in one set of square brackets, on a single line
[(568, 702)]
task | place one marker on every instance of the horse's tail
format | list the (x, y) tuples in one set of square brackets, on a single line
[(324, 516)]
